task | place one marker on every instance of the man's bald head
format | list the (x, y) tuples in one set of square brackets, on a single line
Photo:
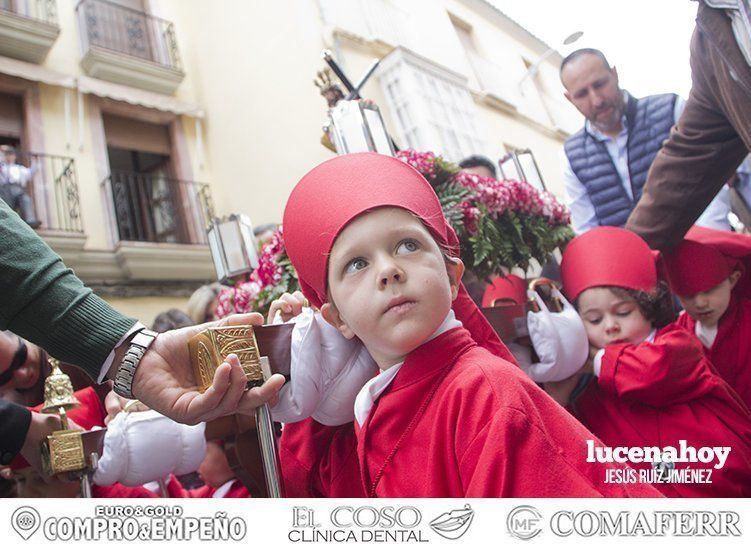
[(571, 57), (592, 87)]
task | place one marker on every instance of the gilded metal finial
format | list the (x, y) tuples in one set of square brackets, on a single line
[(58, 391)]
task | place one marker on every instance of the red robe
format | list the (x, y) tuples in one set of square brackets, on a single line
[(456, 421), (657, 393), (731, 351)]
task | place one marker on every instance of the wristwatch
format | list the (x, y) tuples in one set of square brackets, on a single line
[(124, 378)]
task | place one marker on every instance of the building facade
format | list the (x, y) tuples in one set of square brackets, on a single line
[(144, 118)]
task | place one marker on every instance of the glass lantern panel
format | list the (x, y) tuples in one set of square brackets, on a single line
[(350, 128), (531, 174), (249, 241), (216, 254), (233, 248), (508, 169), (377, 131)]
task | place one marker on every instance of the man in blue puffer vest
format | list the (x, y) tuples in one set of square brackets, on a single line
[(606, 162)]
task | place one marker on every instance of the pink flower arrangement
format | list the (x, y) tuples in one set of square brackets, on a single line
[(498, 196), (500, 223), (422, 161)]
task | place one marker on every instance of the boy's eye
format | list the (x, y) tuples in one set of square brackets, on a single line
[(595, 321), (355, 264), (624, 313), (407, 246)]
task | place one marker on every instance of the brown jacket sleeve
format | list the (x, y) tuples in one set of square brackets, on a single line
[(709, 142)]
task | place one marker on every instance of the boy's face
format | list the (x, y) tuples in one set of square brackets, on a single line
[(609, 318), (709, 306), (389, 283), (214, 469)]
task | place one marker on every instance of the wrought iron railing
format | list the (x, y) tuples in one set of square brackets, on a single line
[(128, 31), (38, 10), (155, 208), (53, 186)]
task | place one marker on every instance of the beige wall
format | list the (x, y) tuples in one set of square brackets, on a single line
[(264, 116), (250, 65)]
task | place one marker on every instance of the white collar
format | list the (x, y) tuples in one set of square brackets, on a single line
[(223, 489), (377, 385), (706, 335)]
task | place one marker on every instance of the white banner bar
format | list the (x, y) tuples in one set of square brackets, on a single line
[(481, 521)]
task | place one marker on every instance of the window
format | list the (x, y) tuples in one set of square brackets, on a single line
[(147, 198), (431, 106)]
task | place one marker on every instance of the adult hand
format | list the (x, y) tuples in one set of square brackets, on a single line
[(41, 426), (164, 378)]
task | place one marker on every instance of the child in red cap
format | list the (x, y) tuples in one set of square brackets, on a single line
[(653, 387), (708, 273), (445, 417)]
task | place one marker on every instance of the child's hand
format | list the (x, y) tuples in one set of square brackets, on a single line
[(589, 366), (289, 304), (114, 404)]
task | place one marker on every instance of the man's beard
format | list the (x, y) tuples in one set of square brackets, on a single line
[(613, 122)]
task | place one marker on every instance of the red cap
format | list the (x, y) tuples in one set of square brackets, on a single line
[(334, 193), (707, 257), (509, 286), (694, 267), (607, 256)]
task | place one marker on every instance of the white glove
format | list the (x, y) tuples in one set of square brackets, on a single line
[(326, 373), (141, 447), (559, 339)]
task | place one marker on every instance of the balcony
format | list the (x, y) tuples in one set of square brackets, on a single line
[(129, 47), (53, 187), (161, 223), (52, 184), (157, 209), (28, 29)]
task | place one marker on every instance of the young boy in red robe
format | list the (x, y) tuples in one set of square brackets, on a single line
[(445, 417), (220, 480), (709, 273), (653, 387)]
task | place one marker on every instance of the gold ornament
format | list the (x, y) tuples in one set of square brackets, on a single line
[(210, 348)]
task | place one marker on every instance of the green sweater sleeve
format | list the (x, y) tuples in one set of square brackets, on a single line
[(44, 302)]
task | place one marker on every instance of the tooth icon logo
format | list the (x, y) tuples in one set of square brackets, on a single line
[(453, 524), (25, 521)]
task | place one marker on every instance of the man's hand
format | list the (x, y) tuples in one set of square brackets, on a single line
[(164, 378), (42, 425)]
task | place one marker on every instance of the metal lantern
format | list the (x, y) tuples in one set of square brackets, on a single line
[(357, 126), (233, 246), (520, 164)]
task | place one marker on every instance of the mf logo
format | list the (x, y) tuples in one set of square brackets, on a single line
[(524, 522)]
